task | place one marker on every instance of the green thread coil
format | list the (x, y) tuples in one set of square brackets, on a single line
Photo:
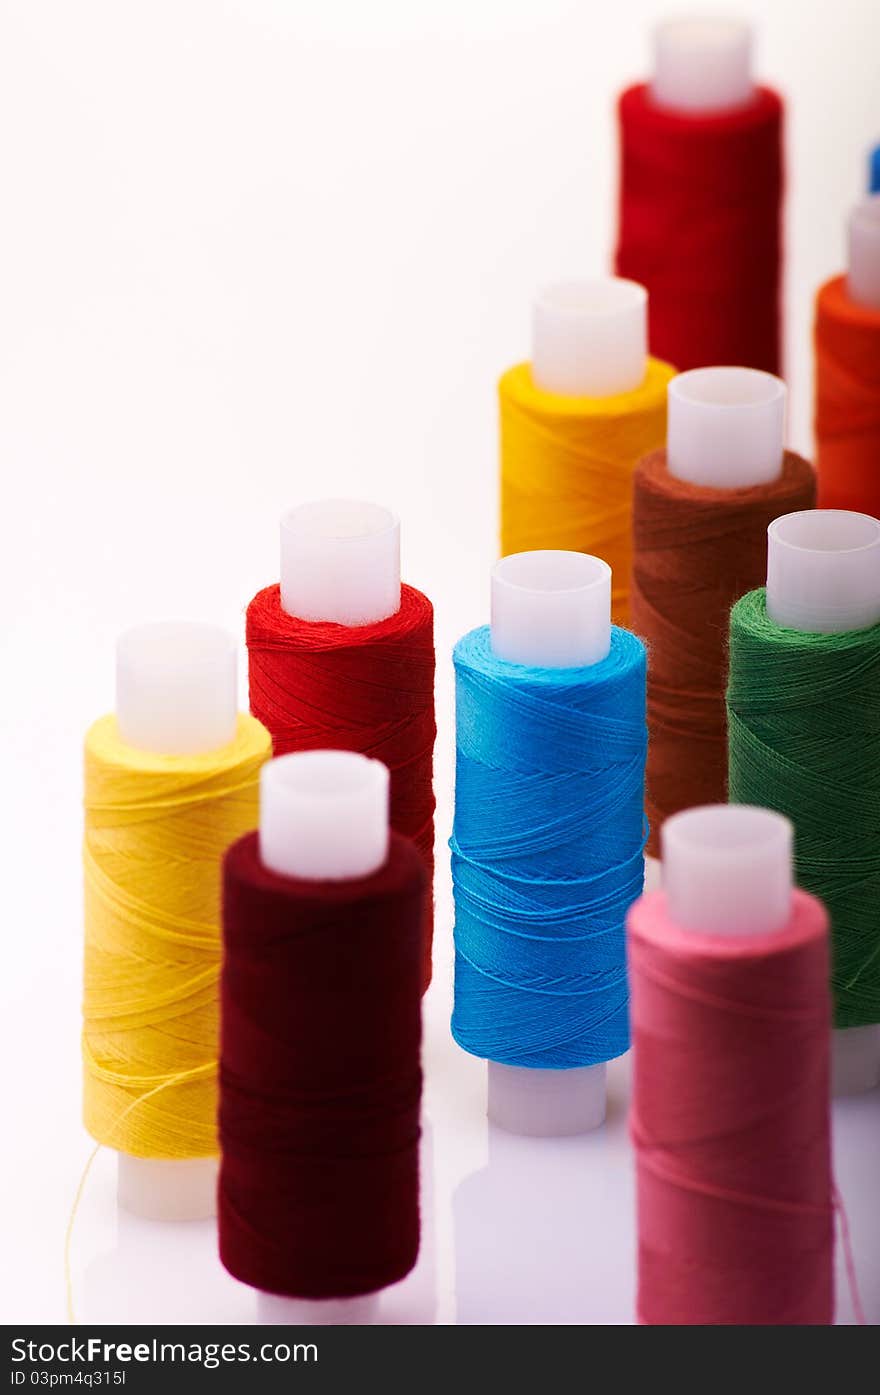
[(803, 714)]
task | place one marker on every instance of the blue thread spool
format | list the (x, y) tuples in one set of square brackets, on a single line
[(548, 838), (874, 171)]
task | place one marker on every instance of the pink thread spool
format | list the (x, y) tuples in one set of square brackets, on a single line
[(731, 1064)]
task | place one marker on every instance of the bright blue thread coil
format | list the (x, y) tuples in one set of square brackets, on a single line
[(874, 171), (547, 852)]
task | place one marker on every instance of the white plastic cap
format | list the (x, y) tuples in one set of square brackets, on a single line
[(176, 688), (823, 571), (340, 561), (590, 338), (551, 609), (727, 869), (702, 64), (863, 281), (324, 815), (726, 427)]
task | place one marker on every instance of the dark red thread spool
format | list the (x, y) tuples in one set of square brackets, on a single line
[(320, 1079), (700, 206), (357, 687)]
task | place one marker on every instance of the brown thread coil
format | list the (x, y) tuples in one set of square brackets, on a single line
[(696, 551)]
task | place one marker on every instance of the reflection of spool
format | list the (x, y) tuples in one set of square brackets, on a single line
[(550, 611), (574, 422), (341, 655), (323, 902), (730, 1113), (847, 344), (558, 1263), (176, 757), (823, 579), (701, 198), (700, 514)]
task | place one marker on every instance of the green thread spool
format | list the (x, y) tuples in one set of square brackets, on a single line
[(803, 704)]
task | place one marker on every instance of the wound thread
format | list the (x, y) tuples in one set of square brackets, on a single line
[(847, 347), (546, 852), (320, 1079), (804, 736), (696, 551), (364, 688), (156, 829), (730, 1119), (700, 227), (567, 465)]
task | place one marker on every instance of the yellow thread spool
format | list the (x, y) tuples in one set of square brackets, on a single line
[(156, 829), (568, 454)]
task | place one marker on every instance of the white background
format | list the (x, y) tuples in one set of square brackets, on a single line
[(258, 252)]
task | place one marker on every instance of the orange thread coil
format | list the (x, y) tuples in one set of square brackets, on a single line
[(697, 550), (847, 418), (567, 465)]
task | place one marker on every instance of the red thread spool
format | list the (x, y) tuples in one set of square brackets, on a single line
[(320, 1079), (354, 686), (847, 344), (700, 205), (730, 1110)]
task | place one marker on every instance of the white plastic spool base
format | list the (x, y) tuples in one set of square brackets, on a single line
[(175, 695), (274, 1310), (702, 65), (863, 271), (340, 561), (551, 610), (324, 816), (726, 427), (590, 338), (823, 577)]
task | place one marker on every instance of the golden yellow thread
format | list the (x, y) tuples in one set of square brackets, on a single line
[(567, 465), (156, 828)]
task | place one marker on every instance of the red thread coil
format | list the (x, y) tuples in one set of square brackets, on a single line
[(320, 1078), (730, 1119), (847, 343), (365, 688), (700, 203)]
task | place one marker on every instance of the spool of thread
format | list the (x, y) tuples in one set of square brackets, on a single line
[(700, 514), (804, 732), (874, 171), (170, 782), (847, 345), (547, 840), (730, 1112), (574, 422), (701, 198), (320, 1081), (341, 655)]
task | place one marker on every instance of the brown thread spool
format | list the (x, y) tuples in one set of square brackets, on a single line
[(697, 549)]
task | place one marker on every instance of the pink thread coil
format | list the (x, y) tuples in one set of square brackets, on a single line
[(730, 1120)]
